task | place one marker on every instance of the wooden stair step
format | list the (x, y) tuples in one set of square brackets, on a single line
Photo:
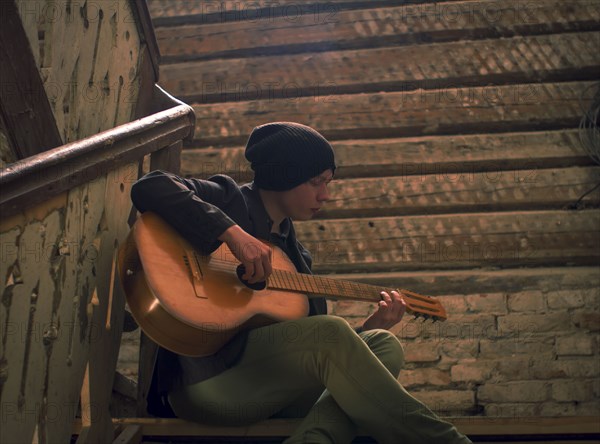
[(480, 281), (397, 114), (177, 12), (416, 155), (552, 429), (328, 26), (453, 241), (405, 68), (451, 191)]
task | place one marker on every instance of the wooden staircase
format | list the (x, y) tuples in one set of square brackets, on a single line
[(462, 173)]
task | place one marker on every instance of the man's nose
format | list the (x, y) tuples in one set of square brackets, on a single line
[(323, 195)]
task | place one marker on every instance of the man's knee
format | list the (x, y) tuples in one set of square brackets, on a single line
[(330, 329), (387, 348)]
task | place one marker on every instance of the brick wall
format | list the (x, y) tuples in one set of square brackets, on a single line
[(523, 354)]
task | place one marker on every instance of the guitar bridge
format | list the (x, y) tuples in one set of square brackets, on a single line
[(193, 265)]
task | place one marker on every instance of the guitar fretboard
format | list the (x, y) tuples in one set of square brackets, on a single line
[(319, 285), (338, 288)]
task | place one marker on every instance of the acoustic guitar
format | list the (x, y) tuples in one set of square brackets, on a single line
[(193, 304)]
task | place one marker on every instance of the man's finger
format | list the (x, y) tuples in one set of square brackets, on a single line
[(249, 266), (259, 273), (268, 268), (386, 297)]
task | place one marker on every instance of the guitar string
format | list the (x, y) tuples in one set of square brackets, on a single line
[(302, 282)]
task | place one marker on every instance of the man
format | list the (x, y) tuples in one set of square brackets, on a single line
[(316, 367)]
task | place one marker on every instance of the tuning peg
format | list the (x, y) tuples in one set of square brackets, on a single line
[(434, 319), (416, 315), (425, 317)]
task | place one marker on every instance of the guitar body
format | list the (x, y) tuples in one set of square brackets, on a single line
[(193, 304)]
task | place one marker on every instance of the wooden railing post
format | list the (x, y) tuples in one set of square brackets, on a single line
[(168, 158), (147, 359)]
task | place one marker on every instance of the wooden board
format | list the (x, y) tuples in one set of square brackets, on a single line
[(94, 85), (454, 241), (416, 155), (454, 191), (107, 314), (26, 111), (57, 300), (330, 27), (57, 258), (45, 315), (478, 426), (404, 68), (476, 281), (174, 12), (455, 110), (420, 189)]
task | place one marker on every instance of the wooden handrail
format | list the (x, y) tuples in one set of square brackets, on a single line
[(44, 175)]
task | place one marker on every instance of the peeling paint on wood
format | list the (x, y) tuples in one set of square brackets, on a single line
[(95, 84), (54, 306)]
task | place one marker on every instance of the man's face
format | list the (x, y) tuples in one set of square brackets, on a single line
[(305, 200)]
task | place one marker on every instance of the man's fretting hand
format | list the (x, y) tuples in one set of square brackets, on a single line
[(254, 254), (390, 311)]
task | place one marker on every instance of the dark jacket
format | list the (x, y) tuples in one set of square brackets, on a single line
[(201, 210)]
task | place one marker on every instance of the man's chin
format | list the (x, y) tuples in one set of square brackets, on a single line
[(304, 217)]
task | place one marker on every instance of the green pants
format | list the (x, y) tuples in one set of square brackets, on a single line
[(319, 369)]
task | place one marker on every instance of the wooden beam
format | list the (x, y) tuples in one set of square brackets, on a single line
[(479, 109), (147, 34), (25, 108), (329, 26), (453, 241), (144, 105)]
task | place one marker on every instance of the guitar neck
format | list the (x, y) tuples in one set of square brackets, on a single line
[(319, 286), (322, 286)]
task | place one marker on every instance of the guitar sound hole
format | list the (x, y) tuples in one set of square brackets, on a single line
[(257, 286)]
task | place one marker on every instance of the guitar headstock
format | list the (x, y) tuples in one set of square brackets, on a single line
[(423, 306)]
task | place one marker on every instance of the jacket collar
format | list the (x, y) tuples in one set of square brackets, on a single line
[(258, 214)]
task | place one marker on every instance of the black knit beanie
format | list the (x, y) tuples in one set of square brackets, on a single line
[(284, 155)]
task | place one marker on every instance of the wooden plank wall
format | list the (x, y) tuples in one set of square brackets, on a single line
[(62, 312), (90, 84), (455, 126)]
